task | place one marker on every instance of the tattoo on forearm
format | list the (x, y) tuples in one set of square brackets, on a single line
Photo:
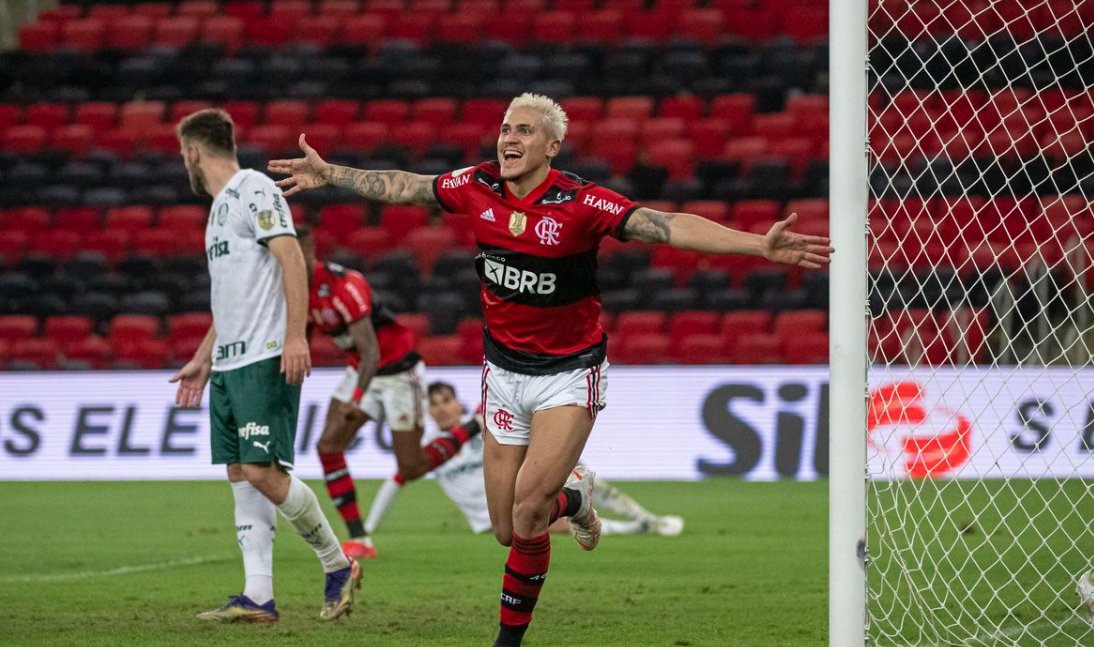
[(650, 226), (385, 186)]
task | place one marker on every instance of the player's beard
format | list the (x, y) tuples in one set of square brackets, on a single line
[(197, 182)]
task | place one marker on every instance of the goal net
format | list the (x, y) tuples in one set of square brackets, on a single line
[(980, 414)]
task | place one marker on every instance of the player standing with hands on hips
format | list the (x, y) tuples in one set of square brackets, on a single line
[(545, 374), (257, 353)]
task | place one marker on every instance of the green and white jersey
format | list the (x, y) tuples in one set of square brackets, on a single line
[(248, 296)]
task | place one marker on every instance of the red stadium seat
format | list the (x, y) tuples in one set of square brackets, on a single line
[(129, 32), (600, 26), (807, 349), (510, 26), (292, 114), (82, 34), (583, 108), (416, 136), (112, 243), (685, 324), (92, 349), (655, 131), (365, 136), (471, 342), (428, 244), (75, 138), (39, 37), (749, 212), (342, 219), (198, 8), (339, 8), (636, 323), (644, 349), (223, 30), (800, 322), (429, 6), (59, 244), (688, 108), (16, 327), (190, 324), (337, 112), (183, 218), (176, 31), (703, 25), (487, 113), (460, 27), (13, 244), (701, 349), (710, 209), (647, 25), (43, 352), (364, 29), (100, 115), (24, 139), (469, 137), (148, 353), (28, 219), (399, 221), (274, 139), (153, 9), (482, 7), (389, 9), (676, 156), (554, 26), (157, 242), (633, 108), (440, 351), (128, 328), (80, 220), (295, 9), (9, 116), (387, 111), (68, 329), (736, 109), (322, 30), (46, 115), (438, 112), (418, 28), (756, 349), (142, 114), (368, 240), (131, 219), (745, 322)]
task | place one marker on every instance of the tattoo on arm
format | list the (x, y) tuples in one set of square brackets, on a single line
[(393, 187), (649, 226)]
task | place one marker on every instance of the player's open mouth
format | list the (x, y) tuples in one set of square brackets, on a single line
[(512, 155)]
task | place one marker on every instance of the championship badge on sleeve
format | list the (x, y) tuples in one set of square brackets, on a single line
[(517, 222)]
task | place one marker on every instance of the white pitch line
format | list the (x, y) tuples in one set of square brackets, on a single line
[(113, 572)]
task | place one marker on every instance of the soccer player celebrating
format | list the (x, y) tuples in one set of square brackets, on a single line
[(383, 380), (545, 371), (258, 356)]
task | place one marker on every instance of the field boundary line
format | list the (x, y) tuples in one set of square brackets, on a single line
[(114, 572), (1009, 633)]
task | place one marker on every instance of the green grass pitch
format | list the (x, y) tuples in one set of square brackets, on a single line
[(750, 570)]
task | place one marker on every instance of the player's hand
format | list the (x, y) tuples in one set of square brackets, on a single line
[(308, 172), (191, 379), (295, 359), (784, 246), (352, 415)]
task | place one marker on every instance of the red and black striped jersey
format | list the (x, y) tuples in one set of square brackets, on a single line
[(339, 297), (537, 264)]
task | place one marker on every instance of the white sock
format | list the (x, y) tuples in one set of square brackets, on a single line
[(389, 489), (614, 527), (256, 519), (610, 498), (302, 510)]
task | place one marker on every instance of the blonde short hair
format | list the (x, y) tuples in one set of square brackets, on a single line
[(553, 114)]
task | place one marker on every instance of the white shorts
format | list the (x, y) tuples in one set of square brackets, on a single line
[(509, 399), (398, 399)]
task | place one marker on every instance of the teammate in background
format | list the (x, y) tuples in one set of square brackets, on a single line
[(383, 380), (462, 480), (257, 353), (545, 372)]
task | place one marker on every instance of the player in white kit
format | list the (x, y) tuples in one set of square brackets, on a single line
[(461, 478), (257, 355)]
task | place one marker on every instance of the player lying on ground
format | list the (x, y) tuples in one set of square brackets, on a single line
[(384, 378), (462, 481), (545, 372), (259, 301)]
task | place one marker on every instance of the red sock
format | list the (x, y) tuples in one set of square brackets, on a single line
[(525, 572), (342, 491), (566, 504)]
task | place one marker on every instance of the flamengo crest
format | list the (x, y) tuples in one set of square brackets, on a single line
[(548, 230)]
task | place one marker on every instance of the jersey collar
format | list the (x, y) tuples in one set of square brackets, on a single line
[(536, 193)]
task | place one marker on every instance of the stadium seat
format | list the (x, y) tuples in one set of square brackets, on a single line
[(399, 221), (80, 220), (798, 323), (125, 328), (85, 34), (637, 323), (440, 351), (46, 115), (701, 349), (75, 138), (43, 352), (176, 31), (147, 353), (130, 32), (368, 240), (364, 29), (66, 329), (685, 324), (643, 348), (98, 115), (756, 348), (341, 219), (183, 218), (810, 348), (91, 349), (15, 327), (24, 139), (428, 244)]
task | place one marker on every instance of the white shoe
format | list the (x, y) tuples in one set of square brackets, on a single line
[(666, 526), (585, 525), (1085, 589)]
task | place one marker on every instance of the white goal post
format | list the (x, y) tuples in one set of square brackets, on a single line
[(962, 319)]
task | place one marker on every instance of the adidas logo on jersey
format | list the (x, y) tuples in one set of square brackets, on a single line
[(517, 279), (253, 429), (488, 215)]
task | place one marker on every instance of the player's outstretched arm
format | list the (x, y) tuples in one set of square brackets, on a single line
[(192, 377), (688, 231), (391, 187), (295, 356)]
